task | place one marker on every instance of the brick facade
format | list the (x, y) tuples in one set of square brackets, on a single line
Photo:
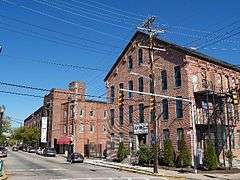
[(191, 65), (67, 110)]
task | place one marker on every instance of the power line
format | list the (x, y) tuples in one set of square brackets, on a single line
[(97, 13), (78, 14), (58, 32), (111, 11), (48, 38), (62, 20), (58, 64)]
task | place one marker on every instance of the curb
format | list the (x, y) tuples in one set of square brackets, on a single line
[(133, 170)]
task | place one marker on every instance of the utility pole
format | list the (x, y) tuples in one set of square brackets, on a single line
[(147, 27), (2, 109)]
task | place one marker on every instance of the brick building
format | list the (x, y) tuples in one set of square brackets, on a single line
[(179, 72), (74, 121), (34, 120)]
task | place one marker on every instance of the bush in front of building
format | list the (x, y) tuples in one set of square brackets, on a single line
[(168, 153), (184, 156), (122, 152), (210, 157), (145, 155)]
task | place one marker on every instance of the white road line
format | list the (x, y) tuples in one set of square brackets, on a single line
[(34, 170)]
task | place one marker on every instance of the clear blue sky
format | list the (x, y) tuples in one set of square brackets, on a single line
[(111, 24)]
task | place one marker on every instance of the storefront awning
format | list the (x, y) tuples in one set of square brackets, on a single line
[(64, 140)]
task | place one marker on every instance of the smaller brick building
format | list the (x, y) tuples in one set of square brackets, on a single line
[(74, 122)]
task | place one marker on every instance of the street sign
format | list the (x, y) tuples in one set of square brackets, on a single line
[(140, 128)]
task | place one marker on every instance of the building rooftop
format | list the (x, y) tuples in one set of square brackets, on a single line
[(180, 48)]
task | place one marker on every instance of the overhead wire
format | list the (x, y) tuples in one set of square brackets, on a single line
[(78, 14), (63, 20)]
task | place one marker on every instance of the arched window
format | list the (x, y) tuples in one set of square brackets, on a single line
[(140, 56)]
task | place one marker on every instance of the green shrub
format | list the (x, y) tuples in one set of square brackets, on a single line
[(122, 152), (210, 157), (145, 154), (184, 157), (168, 153)]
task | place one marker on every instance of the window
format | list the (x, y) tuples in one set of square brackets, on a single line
[(121, 137), (140, 84), (92, 113), (64, 128), (130, 113), (112, 141), (140, 56), (165, 108), (166, 134), (180, 134), (121, 116), (141, 113), (121, 86), (179, 110), (65, 114), (81, 112), (130, 87), (112, 116), (151, 84), (105, 114), (238, 132), (130, 63), (92, 128), (232, 139), (112, 94), (152, 116), (164, 79), (81, 127), (72, 111), (204, 79), (177, 75)]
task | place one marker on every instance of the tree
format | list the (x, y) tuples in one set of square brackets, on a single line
[(210, 156), (145, 154), (29, 136), (168, 153), (122, 152), (184, 157)]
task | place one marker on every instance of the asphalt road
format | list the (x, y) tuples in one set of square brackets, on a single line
[(26, 166)]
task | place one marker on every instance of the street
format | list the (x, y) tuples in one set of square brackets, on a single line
[(25, 166)]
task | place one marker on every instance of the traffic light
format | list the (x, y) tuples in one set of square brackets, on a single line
[(152, 104), (120, 99), (234, 97)]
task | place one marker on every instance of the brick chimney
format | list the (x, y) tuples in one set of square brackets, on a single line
[(79, 88)]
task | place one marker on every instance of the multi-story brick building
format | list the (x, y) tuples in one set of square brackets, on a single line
[(74, 121), (178, 72), (34, 120)]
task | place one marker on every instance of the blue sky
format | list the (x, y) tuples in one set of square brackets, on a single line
[(67, 31)]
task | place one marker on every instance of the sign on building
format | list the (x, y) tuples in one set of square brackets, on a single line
[(44, 130), (140, 128)]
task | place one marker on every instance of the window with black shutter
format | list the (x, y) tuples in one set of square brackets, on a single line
[(112, 117), (165, 109), (177, 75), (141, 113), (140, 84), (179, 108)]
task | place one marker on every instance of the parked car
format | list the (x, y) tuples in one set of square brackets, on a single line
[(3, 154), (75, 157), (14, 148), (31, 150), (38, 151), (49, 152)]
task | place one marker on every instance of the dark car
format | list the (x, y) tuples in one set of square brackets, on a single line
[(75, 157), (49, 152), (3, 152), (14, 148)]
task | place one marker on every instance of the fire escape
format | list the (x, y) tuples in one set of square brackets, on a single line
[(216, 118)]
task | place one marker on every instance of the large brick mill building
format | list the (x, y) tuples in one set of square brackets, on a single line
[(179, 72)]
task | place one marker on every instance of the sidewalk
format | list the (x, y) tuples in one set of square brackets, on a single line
[(169, 174)]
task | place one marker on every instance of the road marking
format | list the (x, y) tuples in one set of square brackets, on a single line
[(34, 170)]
